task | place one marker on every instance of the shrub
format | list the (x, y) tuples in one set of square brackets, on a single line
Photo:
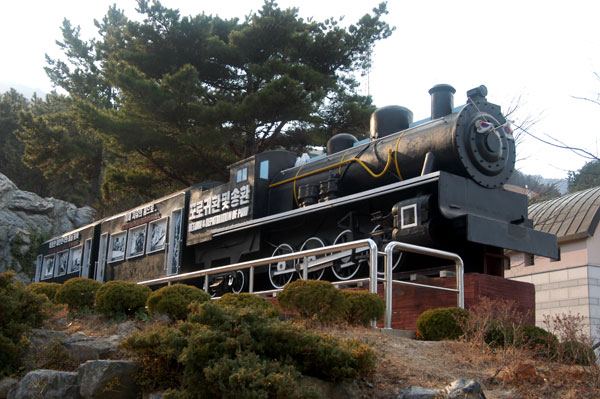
[(362, 307), (442, 323), (118, 297), (576, 352), (313, 299), (238, 352), (78, 292), (20, 310), (158, 351), (48, 289), (246, 300), (174, 300), (536, 339), (247, 376)]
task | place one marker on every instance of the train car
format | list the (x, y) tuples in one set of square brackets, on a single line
[(73, 254), (144, 242), (437, 182)]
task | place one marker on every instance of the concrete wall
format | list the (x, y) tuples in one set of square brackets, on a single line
[(569, 285)]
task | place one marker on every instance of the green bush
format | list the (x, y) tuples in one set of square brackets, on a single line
[(174, 300), (247, 376), (20, 310), (536, 339), (313, 299), (576, 352), (362, 307), (48, 289), (121, 297), (246, 300), (239, 352), (441, 323), (78, 292), (158, 351)]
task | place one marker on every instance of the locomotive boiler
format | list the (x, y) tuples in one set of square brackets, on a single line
[(436, 182)]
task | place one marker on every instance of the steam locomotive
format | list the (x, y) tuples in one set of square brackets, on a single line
[(436, 182)]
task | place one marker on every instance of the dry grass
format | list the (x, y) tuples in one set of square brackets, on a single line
[(405, 362)]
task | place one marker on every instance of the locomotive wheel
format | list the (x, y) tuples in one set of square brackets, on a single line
[(238, 281), (347, 267), (281, 273), (381, 241), (312, 243)]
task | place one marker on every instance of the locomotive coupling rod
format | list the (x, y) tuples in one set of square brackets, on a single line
[(389, 249)]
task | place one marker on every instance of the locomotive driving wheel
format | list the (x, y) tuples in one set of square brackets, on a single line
[(237, 281), (345, 268), (312, 243), (281, 273)]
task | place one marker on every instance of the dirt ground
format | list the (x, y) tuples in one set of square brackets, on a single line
[(403, 362)]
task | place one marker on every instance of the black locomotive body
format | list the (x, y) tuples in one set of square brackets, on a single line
[(437, 183)]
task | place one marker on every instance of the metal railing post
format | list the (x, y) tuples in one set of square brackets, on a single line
[(305, 268), (251, 282), (389, 249), (387, 321)]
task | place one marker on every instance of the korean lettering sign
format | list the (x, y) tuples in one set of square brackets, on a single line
[(215, 208)]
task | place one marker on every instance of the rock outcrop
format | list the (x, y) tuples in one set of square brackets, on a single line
[(22, 212)]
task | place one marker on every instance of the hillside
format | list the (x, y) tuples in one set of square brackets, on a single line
[(404, 362)]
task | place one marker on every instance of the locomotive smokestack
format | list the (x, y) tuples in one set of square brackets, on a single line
[(442, 100)]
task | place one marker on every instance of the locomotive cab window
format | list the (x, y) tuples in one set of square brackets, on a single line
[(408, 216), (241, 175), (264, 170)]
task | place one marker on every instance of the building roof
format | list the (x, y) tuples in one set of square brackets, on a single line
[(570, 217)]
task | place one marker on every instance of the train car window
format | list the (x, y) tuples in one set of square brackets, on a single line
[(174, 242), (62, 259), (157, 235), (75, 254), (408, 216), (264, 170), (48, 267), (116, 247), (87, 257), (102, 258), (38, 268), (136, 242), (242, 175)]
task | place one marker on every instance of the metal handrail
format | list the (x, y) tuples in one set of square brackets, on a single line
[(389, 249), (306, 265)]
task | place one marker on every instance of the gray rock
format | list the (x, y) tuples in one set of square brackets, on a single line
[(46, 384), (82, 348), (463, 389), (153, 395), (329, 390), (108, 379), (21, 211), (6, 384), (413, 392), (126, 328)]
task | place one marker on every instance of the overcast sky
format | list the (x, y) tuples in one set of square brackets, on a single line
[(546, 52)]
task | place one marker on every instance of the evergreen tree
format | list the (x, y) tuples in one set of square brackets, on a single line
[(175, 100), (69, 153), (586, 177)]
